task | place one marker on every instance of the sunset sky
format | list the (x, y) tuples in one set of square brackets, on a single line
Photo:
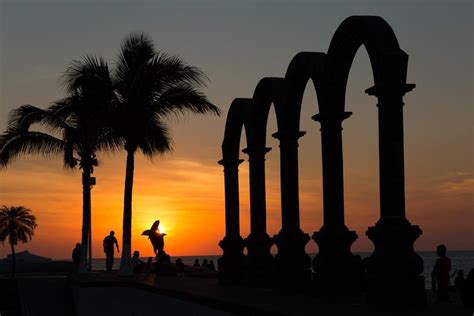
[(236, 44)]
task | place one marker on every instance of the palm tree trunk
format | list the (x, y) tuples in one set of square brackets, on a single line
[(86, 214), (126, 263), (13, 258)]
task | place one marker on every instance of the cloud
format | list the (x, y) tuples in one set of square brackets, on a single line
[(458, 182)]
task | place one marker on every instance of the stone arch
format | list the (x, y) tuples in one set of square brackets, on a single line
[(304, 66), (232, 261), (258, 243), (389, 67), (286, 94), (394, 260), (238, 118), (388, 61)]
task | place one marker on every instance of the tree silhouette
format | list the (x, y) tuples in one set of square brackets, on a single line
[(150, 86), (80, 118), (18, 224)]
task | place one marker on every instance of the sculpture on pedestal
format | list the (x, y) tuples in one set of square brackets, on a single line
[(158, 242)]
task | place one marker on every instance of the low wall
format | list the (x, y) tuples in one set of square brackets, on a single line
[(43, 267)]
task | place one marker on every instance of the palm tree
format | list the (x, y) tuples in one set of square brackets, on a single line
[(81, 120), (18, 224), (150, 86)]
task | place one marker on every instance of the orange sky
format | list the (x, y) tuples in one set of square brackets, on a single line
[(185, 188)]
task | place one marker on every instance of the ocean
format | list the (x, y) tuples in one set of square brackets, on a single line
[(460, 260)]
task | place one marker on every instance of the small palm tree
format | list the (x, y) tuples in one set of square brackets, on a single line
[(18, 224), (150, 86), (80, 119)]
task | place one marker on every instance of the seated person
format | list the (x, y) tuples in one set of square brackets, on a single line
[(136, 262), (180, 267), (211, 266), (149, 265), (459, 281)]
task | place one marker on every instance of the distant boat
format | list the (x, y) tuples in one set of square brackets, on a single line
[(25, 256)]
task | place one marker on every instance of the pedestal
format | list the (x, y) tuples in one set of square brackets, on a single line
[(337, 272), (231, 264), (393, 270), (164, 266), (292, 264), (259, 263)]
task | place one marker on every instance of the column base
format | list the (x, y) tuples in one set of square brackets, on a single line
[(292, 264), (259, 264), (393, 270), (231, 264), (337, 272)]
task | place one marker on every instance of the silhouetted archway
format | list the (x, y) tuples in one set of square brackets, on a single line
[(393, 236)]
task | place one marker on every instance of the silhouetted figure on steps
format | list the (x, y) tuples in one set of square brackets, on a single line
[(76, 255), (149, 265), (180, 267), (440, 274), (137, 263), (211, 266), (459, 281), (205, 264), (196, 263), (108, 244)]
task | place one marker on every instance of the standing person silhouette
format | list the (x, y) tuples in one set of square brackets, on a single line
[(440, 273), (109, 242)]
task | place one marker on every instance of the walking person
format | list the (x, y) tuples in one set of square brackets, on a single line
[(109, 242)]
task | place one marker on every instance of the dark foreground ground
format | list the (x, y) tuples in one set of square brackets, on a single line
[(109, 294)]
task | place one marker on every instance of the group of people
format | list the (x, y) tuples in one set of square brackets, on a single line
[(441, 274), (110, 243), (441, 279), (205, 264)]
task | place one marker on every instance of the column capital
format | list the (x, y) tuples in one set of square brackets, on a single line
[(230, 162), (380, 90), (288, 135), (253, 150), (333, 117)]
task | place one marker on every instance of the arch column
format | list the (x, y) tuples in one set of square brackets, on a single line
[(231, 264), (394, 268), (337, 270), (258, 243), (291, 262)]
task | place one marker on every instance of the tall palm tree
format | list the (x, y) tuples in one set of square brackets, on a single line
[(150, 86), (18, 224), (81, 119)]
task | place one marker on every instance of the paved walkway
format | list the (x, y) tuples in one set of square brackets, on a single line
[(242, 300), (45, 296)]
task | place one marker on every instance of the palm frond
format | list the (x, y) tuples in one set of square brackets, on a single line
[(181, 99), (156, 139), (21, 118), (135, 52), (13, 144), (91, 73), (110, 140), (170, 71)]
